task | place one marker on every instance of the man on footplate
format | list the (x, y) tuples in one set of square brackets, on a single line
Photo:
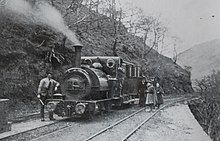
[(46, 89)]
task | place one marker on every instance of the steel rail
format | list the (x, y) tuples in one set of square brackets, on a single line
[(100, 132), (35, 116), (116, 123), (120, 121), (25, 118), (91, 137), (146, 120), (36, 128)]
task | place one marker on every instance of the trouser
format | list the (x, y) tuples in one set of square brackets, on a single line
[(44, 98)]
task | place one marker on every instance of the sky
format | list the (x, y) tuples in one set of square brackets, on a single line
[(193, 21)]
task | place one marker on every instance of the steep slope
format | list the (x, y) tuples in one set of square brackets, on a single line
[(203, 58), (28, 50)]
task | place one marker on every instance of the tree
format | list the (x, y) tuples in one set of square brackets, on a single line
[(153, 33), (188, 69), (208, 108), (174, 42), (149, 28), (115, 14)]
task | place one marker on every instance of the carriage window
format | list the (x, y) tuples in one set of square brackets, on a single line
[(138, 71), (130, 71), (135, 71), (127, 71)]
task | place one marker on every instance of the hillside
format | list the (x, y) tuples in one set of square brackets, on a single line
[(28, 50), (203, 58)]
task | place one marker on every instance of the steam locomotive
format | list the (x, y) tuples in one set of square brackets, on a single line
[(95, 84)]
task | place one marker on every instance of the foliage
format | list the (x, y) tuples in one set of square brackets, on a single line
[(209, 86), (92, 13), (149, 28), (207, 108)]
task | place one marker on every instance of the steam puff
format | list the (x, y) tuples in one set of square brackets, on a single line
[(52, 17), (21, 8), (41, 13)]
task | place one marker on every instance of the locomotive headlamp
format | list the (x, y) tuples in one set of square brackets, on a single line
[(80, 108)]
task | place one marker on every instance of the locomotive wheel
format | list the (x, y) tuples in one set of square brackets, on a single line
[(89, 115), (51, 115), (108, 106)]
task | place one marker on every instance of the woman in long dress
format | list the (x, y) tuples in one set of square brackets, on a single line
[(141, 92), (151, 96), (159, 92)]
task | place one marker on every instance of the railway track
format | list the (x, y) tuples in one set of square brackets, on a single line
[(53, 127), (102, 134), (34, 132), (35, 116), (112, 131), (26, 117)]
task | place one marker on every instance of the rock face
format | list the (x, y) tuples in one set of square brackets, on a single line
[(203, 58), (27, 51)]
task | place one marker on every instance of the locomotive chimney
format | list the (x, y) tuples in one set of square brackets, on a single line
[(78, 48)]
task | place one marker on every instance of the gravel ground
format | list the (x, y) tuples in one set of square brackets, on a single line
[(175, 123), (121, 130), (81, 129)]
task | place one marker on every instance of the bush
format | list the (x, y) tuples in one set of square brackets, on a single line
[(206, 109)]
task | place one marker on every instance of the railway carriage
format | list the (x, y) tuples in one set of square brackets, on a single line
[(95, 84)]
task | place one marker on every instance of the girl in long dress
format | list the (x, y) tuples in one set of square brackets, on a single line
[(151, 96)]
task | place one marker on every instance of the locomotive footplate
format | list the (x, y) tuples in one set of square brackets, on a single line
[(69, 108)]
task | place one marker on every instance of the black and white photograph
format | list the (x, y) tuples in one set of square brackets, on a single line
[(109, 70)]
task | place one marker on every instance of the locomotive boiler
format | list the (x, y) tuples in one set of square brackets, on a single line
[(95, 84)]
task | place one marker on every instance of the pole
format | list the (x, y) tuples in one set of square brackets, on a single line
[(39, 99)]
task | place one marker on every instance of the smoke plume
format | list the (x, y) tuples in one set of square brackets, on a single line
[(39, 13)]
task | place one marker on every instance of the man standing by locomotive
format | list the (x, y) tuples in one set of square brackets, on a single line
[(46, 89)]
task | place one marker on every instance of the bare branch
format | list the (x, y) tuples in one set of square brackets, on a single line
[(35, 45), (86, 16)]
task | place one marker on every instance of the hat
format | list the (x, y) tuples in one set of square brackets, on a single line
[(148, 84), (121, 69), (49, 72)]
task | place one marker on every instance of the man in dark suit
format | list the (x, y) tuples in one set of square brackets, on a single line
[(46, 89)]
